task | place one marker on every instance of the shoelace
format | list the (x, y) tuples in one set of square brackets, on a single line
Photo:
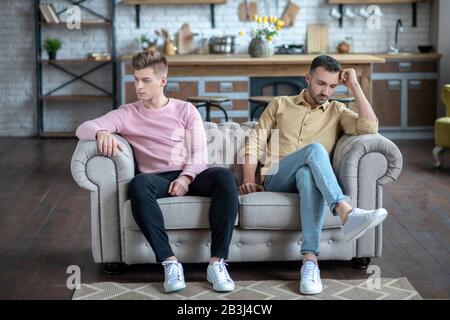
[(222, 275), (173, 270), (310, 273)]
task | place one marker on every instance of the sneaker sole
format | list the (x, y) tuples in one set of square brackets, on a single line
[(310, 292), (210, 281), (175, 289), (368, 226)]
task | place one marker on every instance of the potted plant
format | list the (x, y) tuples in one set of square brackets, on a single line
[(52, 45), (146, 43), (263, 34)]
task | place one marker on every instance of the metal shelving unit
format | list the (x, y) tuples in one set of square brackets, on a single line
[(63, 65)]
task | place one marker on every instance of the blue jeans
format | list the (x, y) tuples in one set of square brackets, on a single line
[(308, 172)]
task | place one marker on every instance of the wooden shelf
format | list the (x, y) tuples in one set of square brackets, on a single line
[(374, 1), (85, 23), (57, 134), (75, 97), (134, 2), (73, 61)]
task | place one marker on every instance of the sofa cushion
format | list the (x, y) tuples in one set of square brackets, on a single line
[(188, 212), (275, 211)]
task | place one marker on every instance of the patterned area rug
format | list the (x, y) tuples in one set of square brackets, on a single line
[(386, 289)]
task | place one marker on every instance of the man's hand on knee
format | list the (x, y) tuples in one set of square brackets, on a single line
[(249, 187), (180, 186)]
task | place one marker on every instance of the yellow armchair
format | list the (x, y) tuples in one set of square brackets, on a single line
[(442, 127)]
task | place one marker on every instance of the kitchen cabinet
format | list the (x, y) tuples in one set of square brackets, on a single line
[(422, 102), (405, 97), (387, 102)]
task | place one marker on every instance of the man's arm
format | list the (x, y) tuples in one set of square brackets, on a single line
[(198, 160), (101, 130), (255, 146), (363, 107), (363, 120)]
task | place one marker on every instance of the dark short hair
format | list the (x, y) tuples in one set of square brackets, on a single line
[(150, 59), (330, 64)]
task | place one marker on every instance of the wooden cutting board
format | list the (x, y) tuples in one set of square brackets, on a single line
[(317, 38), (247, 11), (290, 14)]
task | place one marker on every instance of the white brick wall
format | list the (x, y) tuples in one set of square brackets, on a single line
[(17, 87)]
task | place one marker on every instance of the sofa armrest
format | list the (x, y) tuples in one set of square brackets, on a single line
[(87, 176), (351, 149), (363, 165), (107, 178)]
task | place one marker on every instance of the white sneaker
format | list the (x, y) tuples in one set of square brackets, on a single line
[(217, 274), (359, 221), (310, 282), (174, 276)]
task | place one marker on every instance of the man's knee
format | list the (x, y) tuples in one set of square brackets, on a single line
[(225, 178), (140, 184), (316, 148)]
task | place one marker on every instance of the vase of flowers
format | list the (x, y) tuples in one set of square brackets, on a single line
[(261, 44)]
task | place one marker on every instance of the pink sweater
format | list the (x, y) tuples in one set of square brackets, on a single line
[(165, 139)]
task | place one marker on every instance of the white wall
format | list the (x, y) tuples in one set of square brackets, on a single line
[(17, 95)]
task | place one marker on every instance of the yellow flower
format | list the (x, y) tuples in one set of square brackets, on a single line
[(241, 33), (280, 23), (255, 18), (269, 38), (278, 28), (272, 19), (264, 19), (259, 19)]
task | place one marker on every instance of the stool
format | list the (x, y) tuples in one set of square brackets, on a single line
[(345, 99), (208, 102), (261, 102)]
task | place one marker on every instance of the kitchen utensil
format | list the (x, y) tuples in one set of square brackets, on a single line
[(185, 39), (425, 49), (222, 45), (247, 10), (317, 38), (290, 14)]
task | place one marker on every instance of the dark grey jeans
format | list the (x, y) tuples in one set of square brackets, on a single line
[(218, 183)]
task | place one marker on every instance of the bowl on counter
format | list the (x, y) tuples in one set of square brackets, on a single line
[(425, 49)]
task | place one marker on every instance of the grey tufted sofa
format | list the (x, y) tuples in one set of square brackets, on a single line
[(268, 224)]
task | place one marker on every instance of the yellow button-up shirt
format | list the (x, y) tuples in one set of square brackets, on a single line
[(289, 124)]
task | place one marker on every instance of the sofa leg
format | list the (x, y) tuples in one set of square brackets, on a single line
[(436, 152), (360, 263), (114, 268)]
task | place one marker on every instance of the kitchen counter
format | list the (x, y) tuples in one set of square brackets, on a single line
[(275, 66), (410, 56), (220, 59)]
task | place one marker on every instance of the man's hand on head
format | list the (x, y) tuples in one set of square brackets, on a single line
[(180, 186), (348, 77), (107, 144)]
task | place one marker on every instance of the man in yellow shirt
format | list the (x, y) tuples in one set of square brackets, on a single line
[(298, 134)]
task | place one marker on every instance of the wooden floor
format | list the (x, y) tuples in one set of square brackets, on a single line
[(45, 227)]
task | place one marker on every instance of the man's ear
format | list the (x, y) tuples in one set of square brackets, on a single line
[(163, 81), (308, 78)]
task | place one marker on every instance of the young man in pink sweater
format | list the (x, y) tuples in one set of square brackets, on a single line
[(169, 144)]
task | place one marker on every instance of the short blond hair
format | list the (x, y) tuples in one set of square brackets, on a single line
[(151, 59)]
